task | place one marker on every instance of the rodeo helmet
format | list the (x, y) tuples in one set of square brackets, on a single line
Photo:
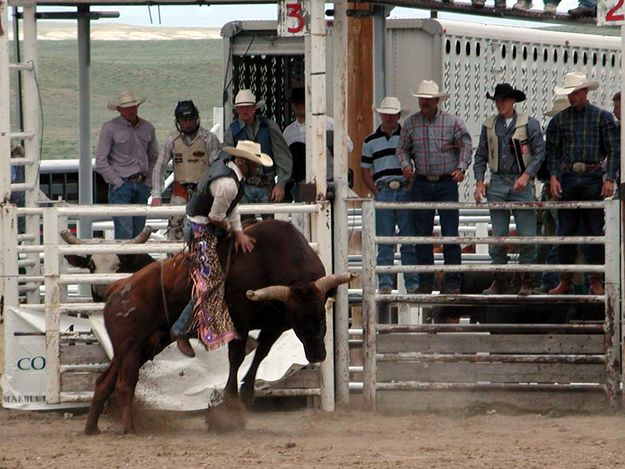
[(187, 110)]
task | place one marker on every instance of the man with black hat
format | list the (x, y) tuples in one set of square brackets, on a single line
[(512, 146), (192, 148)]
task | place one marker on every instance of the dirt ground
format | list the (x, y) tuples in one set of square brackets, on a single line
[(312, 438)]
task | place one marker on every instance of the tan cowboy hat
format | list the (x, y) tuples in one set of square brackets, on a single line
[(125, 99), (429, 89), (247, 98), (575, 81), (389, 105), (560, 103), (251, 151)]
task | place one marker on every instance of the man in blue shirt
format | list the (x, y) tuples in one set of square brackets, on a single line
[(383, 176), (580, 137)]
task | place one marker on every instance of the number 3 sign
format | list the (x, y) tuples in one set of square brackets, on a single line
[(610, 12), (291, 18)]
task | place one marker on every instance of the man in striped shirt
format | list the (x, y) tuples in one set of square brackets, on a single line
[(579, 139), (435, 150), (383, 176)]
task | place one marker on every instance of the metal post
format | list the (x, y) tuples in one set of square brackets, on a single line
[(17, 54), (368, 303), (5, 105), (612, 301), (52, 305), (32, 126), (621, 194), (321, 223), (341, 236), (316, 94), (85, 171)]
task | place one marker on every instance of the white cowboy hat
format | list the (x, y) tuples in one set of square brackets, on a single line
[(247, 98), (125, 99), (560, 103), (575, 81), (429, 89), (251, 151), (389, 105)]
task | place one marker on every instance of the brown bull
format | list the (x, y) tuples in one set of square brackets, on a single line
[(280, 285)]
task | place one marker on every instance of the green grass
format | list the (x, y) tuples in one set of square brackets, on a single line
[(162, 71)]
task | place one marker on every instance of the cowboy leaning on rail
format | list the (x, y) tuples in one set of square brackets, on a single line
[(209, 212)]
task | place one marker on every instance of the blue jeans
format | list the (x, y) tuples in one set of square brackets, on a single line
[(443, 191), (586, 222), (385, 223), (500, 190), (256, 195), (129, 193), (184, 320)]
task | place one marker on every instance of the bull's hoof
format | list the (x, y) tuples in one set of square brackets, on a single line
[(247, 396), (226, 417), (129, 430), (92, 430)]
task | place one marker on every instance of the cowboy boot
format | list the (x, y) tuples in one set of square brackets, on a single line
[(565, 286), (526, 284), (182, 341), (496, 288), (596, 285)]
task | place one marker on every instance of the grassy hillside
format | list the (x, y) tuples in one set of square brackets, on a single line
[(162, 71)]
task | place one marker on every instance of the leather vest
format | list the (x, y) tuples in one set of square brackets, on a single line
[(190, 161), (520, 139), (202, 200), (264, 176)]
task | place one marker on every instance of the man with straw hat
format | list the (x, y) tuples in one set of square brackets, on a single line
[(125, 156), (579, 139), (260, 187), (211, 213), (512, 146), (434, 150), (383, 176)]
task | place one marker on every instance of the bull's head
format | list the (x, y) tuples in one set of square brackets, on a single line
[(305, 309), (108, 263)]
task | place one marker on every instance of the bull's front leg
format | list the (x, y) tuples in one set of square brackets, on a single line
[(266, 339), (236, 355), (126, 383)]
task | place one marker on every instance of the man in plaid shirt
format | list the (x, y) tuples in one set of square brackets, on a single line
[(579, 139), (435, 150)]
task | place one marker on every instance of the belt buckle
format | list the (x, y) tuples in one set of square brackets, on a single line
[(579, 167), (394, 185), (433, 178)]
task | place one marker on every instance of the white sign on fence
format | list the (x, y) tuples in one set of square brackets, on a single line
[(291, 18), (610, 12)]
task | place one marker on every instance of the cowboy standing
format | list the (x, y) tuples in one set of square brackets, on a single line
[(512, 146), (260, 187), (383, 176), (211, 213), (579, 139), (438, 144), (192, 148), (125, 156)]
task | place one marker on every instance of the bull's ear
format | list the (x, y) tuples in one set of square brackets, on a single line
[(77, 261)]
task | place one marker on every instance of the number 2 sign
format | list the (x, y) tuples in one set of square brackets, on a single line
[(291, 18), (610, 12)]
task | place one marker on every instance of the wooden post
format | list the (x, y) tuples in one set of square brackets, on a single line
[(359, 85)]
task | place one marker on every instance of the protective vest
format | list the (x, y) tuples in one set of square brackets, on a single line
[(190, 161), (520, 140), (264, 176), (202, 199)]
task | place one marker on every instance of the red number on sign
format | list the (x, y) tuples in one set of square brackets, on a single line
[(294, 10), (612, 16)]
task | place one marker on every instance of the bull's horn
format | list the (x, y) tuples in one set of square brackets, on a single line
[(275, 292), (69, 238), (141, 237), (327, 283)]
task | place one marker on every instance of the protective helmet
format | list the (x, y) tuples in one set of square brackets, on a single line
[(187, 110)]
